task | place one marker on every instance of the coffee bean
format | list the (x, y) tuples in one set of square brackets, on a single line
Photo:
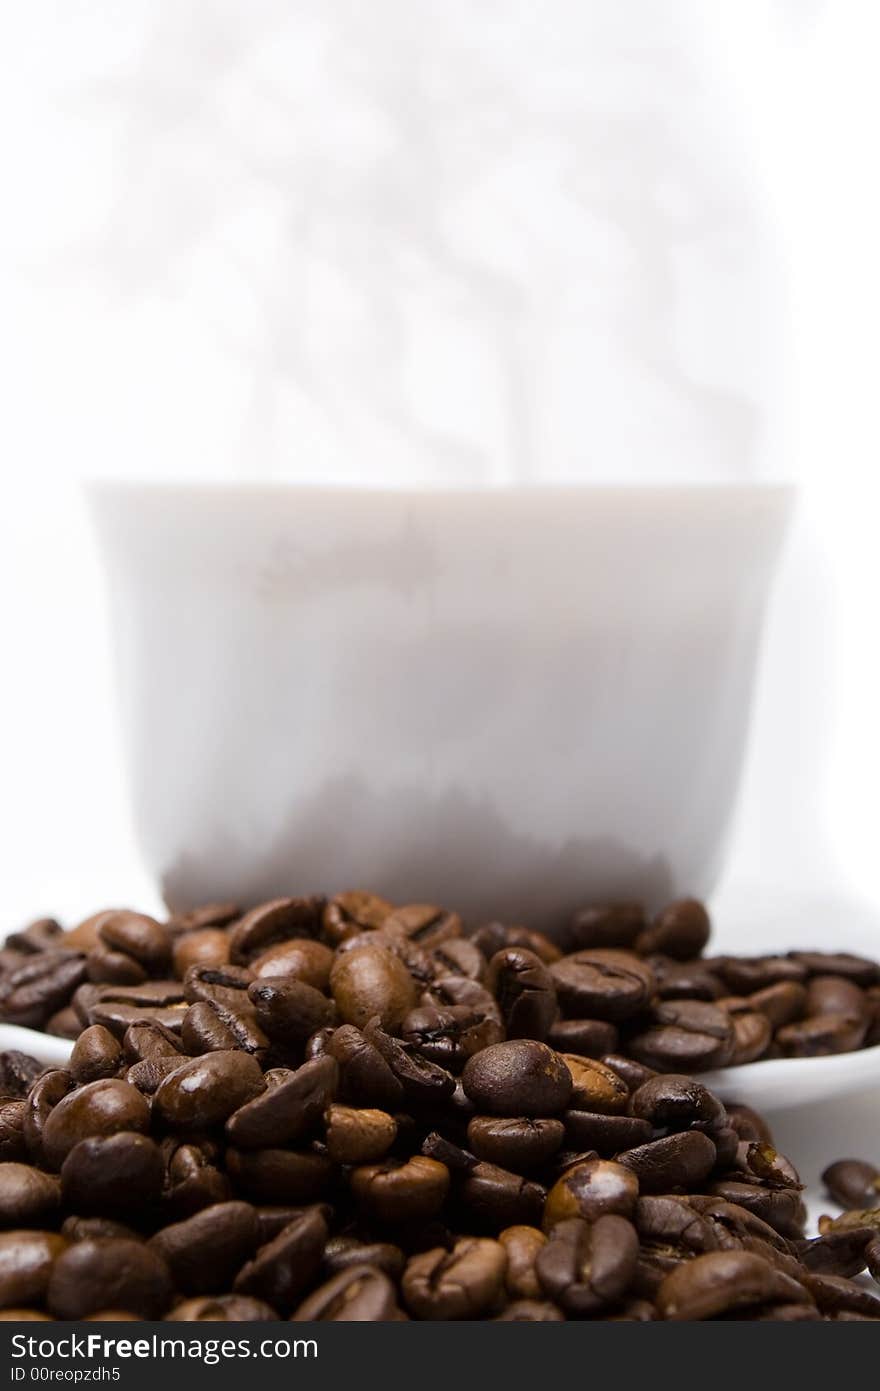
[(680, 931), (823, 1035), (27, 1196), (685, 1034), (112, 1173), (671, 1226), (672, 1101), (359, 1136), (283, 1268), (853, 1183), (360, 1294), (98, 1108), (837, 1253), (722, 1281), (96, 1054), (752, 1033), (205, 1251), (138, 936), (525, 992), (609, 925), (220, 914), (607, 1135), (43, 1096), (781, 1003), (783, 1209), (602, 984), (449, 1036), (521, 1246), (589, 1190), (519, 1078), (586, 1038), (64, 1023), (365, 1077), (682, 1160), (423, 1082), (530, 1311), (12, 1142), (109, 1273), (855, 968), (748, 1124), (372, 981), (835, 1296), (18, 1072), (517, 1143), (494, 1197), (459, 1284), (424, 923), (279, 1176), (396, 1191), (685, 980), (87, 1228), (193, 1183), (209, 1027), (458, 957), (586, 1266), (745, 976), (39, 987), (225, 985), (205, 1091), (301, 958), (208, 947), (221, 1308), (289, 1010), (149, 1040), (26, 1261), (288, 1110), (835, 995), (271, 923), (343, 1252), (595, 1086), (632, 1073), (149, 1074)]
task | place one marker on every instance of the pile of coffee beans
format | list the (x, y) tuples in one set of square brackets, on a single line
[(343, 1109)]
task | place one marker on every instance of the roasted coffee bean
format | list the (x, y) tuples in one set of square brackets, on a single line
[(205, 1091), (530, 1311), (585, 1038), (680, 931), (449, 1035), (685, 980), (872, 1257), (602, 984), (456, 1159), (519, 1078), (98, 1108), (677, 1161), (761, 1163), (288, 1110), (221, 1308), (823, 1035), (27, 1196), (271, 923), (302, 958), (517, 1143), (359, 1135), (193, 1183), (685, 1034), (149, 1040), (423, 1082), (632, 1073), (859, 1217), (361, 1294), (781, 1003), (671, 1226), (343, 1252), (96, 1054), (39, 987), (525, 992), (18, 1072), (108, 1273), (855, 968), (87, 1228), (205, 1251), (458, 957), (106, 967), (589, 1190), (521, 1246), (853, 1183), (149, 1074), (283, 1268), (137, 936), (835, 1296), (837, 1253), (317, 1044), (45, 1094), (588, 1265), (289, 1010), (397, 1191), (782, 1208), (607, 1135), (671, 1101), (835, 995), (64, 1023), (207, 947), (112, 1173), (365, 1077), (209, 1027), (26, 1261), (595, 1087), (495, 1197), (12, 1142), (279, 1176), (205, 915), (225, 985), (273, 1218), (745, 976), (40, 935), (721, 1282), (459, 1284), (608, 925), (424, 923), (371, 981), (752, 1033)]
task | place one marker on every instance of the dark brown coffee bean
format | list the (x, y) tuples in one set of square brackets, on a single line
[(112, 1174), (365, 1077), (149, 1074), (27, 1196), (589, 1190), (423, 1082), (722, 1281), (149, 1040), (823, 1035), (343, 1252), (397, 1191), (836, 995), (205, 1091), (495, 1197), (872, 1257), (64, 1023), (521, 1246), (760, 1163), (685, 980), (672, 1227), (525, 992), (855, 968), (43, 1096), (204, 916), (835, 1295), (836, 1253), (456, 1159), (632, 1073), (208, 947), (530, 1311), (586, 1266), (459, 1284), (372, 981), (87, 1228), (682, 1160), (209, 1027), (40, 935), (104, 966), (289, 1010), (853, 1183), (193, 1183), (685, 1035), (517, 1143), (26, 1261), (361, 1294), (205, 1252), (359, 1135), (109, 1274), (287, 1111), (218, 985), (449, 1035), (748, 1124), (96, 1054), (302, 958), (458, 957), (609, 925), (40, 986), (599, 984), (137, 936), (519, 1078), (782, 1003), (279, 1176), (585, 1038), (283, 1268), (271, 923), (680, 931), (221, 1308), (13, 1149), (99, 1108), (423, 923), (18, 1072), (746, 975), (751, 1030), (607, 1135), (782, 1208), (671, 1101)]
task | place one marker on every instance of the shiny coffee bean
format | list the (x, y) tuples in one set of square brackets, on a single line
[(109, 1273), (372, 981), (210, 1027), (752, 1033), (343, 1252), (632, 1073), (721, 1282), (495, 1198), (608, 925), (99, 1108), (589, 1190), (283, 1268), (358, 1135), (458, 957), (585, 1038), (207, 947), (837, 1253), (287, 1111), (607, 1135), (821, 1036), (271, 923), (586, 1266), (519, 1078), (26, 1261), (836, 1296), (112, 1174), (672, 1101), (521, 1246), (781, 1003), (459, 1284), (365, 1077), (279, 1175), (525, 992), (221, 1308), (517, 1143), (149, 1040), (28, 1197), (855, 968), (782, 1208), (13, 1148), (679, 1161), (87, 1228), (595, 1086), (361, 1294), (685, 1036), (137, 936), (301, 959), (680, 931), (449, 1035), (96, 1054), (205, 1091), (397, 1191), (289, 1010), (43, 1096), (204, 1252), (853, 1183), (602, 984), (41, 985)]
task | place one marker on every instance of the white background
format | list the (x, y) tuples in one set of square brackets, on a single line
[(93, 353)]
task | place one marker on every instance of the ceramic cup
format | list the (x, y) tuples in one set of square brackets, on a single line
[(511, 701)]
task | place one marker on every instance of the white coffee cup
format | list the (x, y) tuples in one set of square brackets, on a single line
[(510, 701)]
